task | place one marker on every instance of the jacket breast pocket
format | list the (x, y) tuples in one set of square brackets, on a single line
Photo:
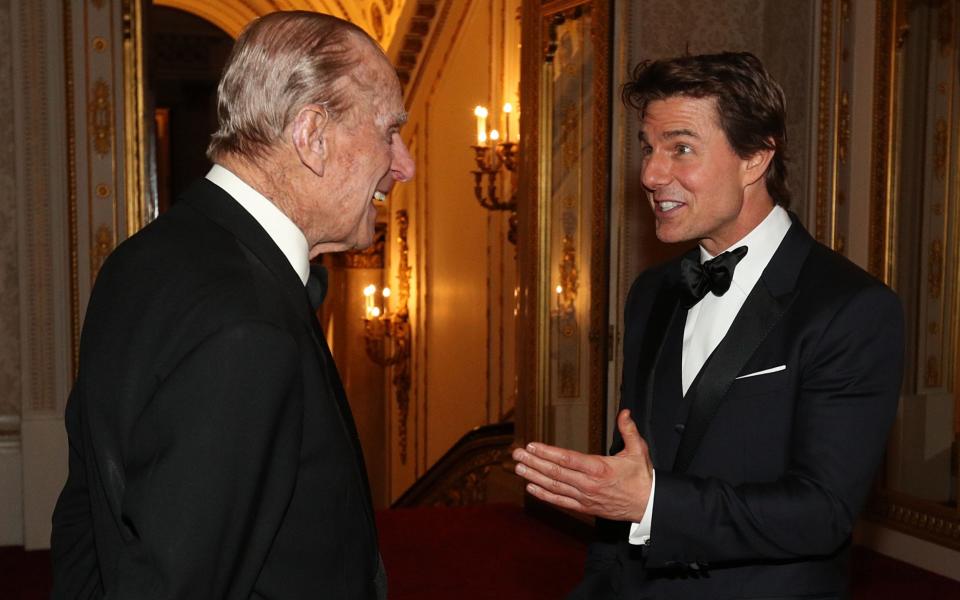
[(759, 384)]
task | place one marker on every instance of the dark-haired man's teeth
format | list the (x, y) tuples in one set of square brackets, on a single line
[(668, 205)]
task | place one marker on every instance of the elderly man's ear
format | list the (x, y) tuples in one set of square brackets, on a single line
[(309, 130)]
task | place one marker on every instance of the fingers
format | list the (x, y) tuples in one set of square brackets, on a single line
[(568, 459), (556, 465), (633, 443), (556, 499), (554, 486)]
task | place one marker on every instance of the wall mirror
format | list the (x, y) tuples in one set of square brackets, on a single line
[(914, 246), (564, 204)]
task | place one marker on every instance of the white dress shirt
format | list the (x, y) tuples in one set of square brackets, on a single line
[(709, 320), (284, 232)]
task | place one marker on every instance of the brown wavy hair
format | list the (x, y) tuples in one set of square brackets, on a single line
[(750, 104)]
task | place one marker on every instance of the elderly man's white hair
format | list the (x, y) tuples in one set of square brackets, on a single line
[(280, 63)]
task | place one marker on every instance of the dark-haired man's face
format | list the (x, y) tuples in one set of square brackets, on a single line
[(694, 179)]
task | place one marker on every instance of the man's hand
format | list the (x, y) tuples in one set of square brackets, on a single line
[(613, 487)]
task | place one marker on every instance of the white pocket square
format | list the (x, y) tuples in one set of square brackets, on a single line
[(764, 372)]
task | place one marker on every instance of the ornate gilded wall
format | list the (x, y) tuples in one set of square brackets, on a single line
[(9, 273)]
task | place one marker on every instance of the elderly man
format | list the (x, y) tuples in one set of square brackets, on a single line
[(761, 370), (212, 450)]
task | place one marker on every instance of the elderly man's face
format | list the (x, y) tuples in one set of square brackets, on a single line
[(694, 179), (367, 154)]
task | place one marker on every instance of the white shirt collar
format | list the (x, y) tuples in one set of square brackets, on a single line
[(762, 242), (284, 232)]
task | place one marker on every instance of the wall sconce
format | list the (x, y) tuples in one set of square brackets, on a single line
[(493, 157), (566, 290), (386, 332)]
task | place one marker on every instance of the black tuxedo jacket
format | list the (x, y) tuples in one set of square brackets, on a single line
[(759, 479), (212, 451)]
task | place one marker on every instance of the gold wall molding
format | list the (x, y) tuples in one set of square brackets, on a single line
[(103, 246), (833, 124), (824, 87), (941, 139), (889, 35), (233, 15), (927, 520), (71, 124), (843, 127), (368, 258), (935, 270), (101, 118), (401, 371)]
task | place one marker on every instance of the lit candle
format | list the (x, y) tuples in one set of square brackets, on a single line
[(368, 293), (386, 299), (559, 293), (507, 109), (481, 114), (494, 135)]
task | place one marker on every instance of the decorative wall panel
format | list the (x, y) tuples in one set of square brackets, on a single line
[(9, 269), (41, 202)]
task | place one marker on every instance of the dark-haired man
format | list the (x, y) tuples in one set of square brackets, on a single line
[(212, 450), (761, 370)]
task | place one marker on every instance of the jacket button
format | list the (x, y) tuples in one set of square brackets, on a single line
[(679, 427)]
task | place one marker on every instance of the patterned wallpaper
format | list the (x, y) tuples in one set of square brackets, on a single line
[(789, 32), (780, 33), (9, 296), (669, 26)]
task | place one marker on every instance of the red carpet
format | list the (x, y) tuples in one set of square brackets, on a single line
[(476, 553), (497, 553)]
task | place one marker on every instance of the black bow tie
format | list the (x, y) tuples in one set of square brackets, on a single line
[(317, 285), (715, 275)]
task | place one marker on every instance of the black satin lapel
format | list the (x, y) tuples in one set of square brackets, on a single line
[(760, 312), (340, 397), (664, 311), (211, 200)]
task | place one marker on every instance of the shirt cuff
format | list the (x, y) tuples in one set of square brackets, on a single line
[(640, 532)]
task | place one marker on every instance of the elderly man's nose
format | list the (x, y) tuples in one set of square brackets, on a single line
[(403, 167)]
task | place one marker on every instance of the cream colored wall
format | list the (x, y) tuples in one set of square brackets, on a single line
[(464, 269), (11, 502)]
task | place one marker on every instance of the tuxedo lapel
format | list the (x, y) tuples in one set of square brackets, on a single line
[(639, 393), (770, 298), (215, 203)]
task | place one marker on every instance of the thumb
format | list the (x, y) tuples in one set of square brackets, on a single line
[(632, 442)]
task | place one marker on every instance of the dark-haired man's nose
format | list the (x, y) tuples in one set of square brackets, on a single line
[(655, 172)]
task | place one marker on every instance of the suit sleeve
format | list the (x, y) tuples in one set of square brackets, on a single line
[(212, 468), (846, 404), (76, 573)]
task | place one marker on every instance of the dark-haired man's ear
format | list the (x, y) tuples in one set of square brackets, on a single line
[(756, 166), (309, 129)]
